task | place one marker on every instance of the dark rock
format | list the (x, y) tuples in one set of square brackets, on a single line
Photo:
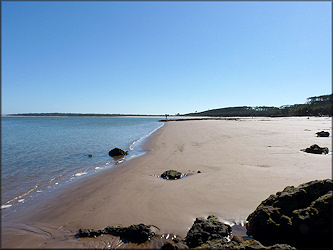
[(299, 216), (204, 230), (117, 152), (138, 233), (237, 239), (171, 175), (251, 244), (323, 134), (199, 172), (90, 155), (280, 246), (173, 245), (254, 244), (135, 233), (315, 149), (90, 233), (170, 245), (220, 244), (248, 244)]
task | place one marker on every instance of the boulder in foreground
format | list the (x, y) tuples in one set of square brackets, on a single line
[(206, 230), (315, 149), (171, 175), (116, 152), (172, 245), (299, 216)]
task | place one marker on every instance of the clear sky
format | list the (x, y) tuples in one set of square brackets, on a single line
[(162, 57)]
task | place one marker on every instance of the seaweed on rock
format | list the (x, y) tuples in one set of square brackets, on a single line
[(134, 233), (300, 216)]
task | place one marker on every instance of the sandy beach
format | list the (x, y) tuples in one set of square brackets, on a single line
[(241, 162)]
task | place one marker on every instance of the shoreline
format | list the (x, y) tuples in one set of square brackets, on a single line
[(64, 179), (241, 162)]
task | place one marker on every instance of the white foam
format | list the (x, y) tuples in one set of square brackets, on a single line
[(5, 206), (79, 174), (145, 136), (228, 223), (21, 200)]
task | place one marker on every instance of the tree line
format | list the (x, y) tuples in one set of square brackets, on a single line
[(315, 106)]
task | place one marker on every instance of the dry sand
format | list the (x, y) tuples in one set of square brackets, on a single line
[(241, 161)]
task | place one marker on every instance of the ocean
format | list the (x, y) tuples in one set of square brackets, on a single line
[(42, 154)]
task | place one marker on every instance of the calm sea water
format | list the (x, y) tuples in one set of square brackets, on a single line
[(40, 154)]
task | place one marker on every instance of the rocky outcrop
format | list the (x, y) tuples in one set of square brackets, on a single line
[(173, 245), (205, 230), (315, 149), (248, 244), (210, 233), (135, 233), (323, 134), (171, 175), (117, 152), (299, 216)]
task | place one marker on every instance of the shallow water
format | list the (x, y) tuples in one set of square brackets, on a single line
[(40, 154)]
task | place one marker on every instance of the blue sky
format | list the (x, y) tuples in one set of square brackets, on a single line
[(162, 57)]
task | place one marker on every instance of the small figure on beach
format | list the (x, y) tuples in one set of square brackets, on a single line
[(166, 117)]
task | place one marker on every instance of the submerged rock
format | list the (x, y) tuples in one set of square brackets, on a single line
[(134, 233), (315, 149), (171, 175), (116, 152), (205, 230), (323, 134), (299, 216)]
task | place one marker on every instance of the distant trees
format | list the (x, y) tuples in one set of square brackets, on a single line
[(319, 99), (315, 106)]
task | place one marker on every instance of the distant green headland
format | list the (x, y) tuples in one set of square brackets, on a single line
[(315, 106)]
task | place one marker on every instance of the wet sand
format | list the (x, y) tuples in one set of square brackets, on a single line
[(241, 162)]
